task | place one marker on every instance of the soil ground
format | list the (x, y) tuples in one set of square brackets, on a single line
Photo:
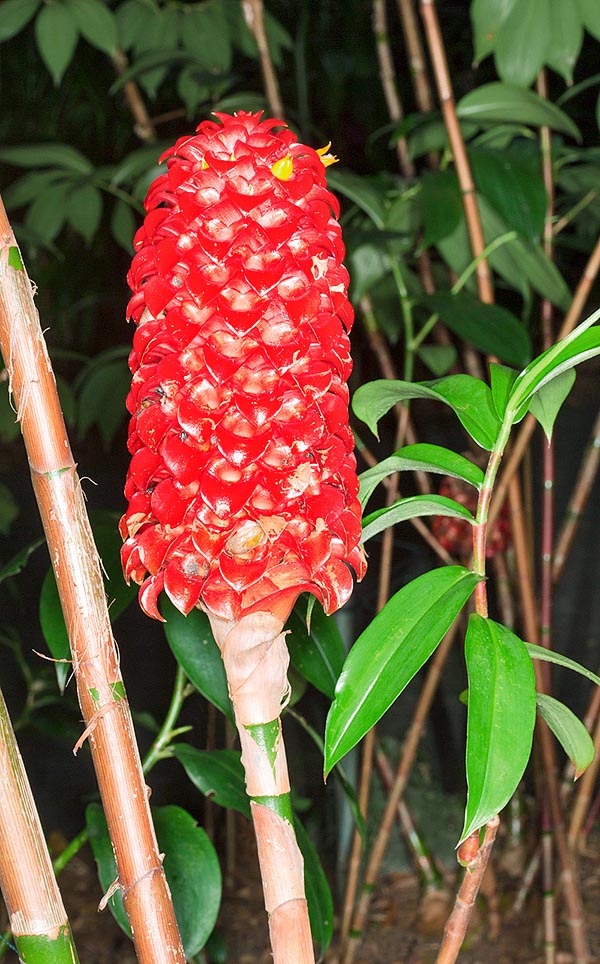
[(403, 928)]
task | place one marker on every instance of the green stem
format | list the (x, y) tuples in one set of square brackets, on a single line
[(483, 507), (181, 691)]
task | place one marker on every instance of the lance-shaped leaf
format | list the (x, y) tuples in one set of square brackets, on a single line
[(569, 731), (391, 651), (421, 457), (316, 652), (411, 508), (491, 328), (318, 893), (547, 402), (218, 774), (501, 718), (500, 103), (551, 656), (578, 346), (191, 866), (470, 398), (193, 644)]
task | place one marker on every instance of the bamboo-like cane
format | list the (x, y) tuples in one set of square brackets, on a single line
[(254, 15), (578, 501), (256, 660), (101, 693), (387, 74), (459, 918), (37, 917)]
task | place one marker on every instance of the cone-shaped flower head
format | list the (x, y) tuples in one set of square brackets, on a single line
[(242, 486)]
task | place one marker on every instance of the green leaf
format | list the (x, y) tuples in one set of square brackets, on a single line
[(546, 404), (193, 874), (439, 359), (470, 398), (84, 210), (414, 506), (550, 656), (26, 188), (501, 382), (131, 17), (56, 38), (422, 457), (589, 11), (442, 205), (102, 391), (147, 63), (487, 16), (519, 261), (54, 630), (569, 731), (522, 41), (318, 893), (389, 653), (566, 38), (193, 645), (96, 23), (192, 90), (361, 191), (582, 343), (218, 774), (47, 213), (18, 562), (318, 653), (513, 185), (46, 155), (123, 225), (491, 328), (14, 15), (369, 263), (205, 33), (499, 103), (9, 510), (500, 719), (191, 868)]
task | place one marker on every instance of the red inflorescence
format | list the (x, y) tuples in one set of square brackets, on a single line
[(456, 535), (242, 486)]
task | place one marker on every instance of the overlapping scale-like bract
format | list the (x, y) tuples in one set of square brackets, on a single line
[(242, 487)]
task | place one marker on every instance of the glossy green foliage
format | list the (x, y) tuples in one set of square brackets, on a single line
[(316, 647), (420, 457), (192, 642), (500, 720), (191, 868), (389, 653), (470, 398)]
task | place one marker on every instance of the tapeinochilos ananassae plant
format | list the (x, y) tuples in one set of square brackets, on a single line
[(502, 697), (242, 486)]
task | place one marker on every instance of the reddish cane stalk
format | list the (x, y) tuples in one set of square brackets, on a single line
[(459, 918), (109, 727), (242, 487), (37, 917)]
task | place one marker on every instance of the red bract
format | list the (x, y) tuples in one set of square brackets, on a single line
[(242, 487)]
